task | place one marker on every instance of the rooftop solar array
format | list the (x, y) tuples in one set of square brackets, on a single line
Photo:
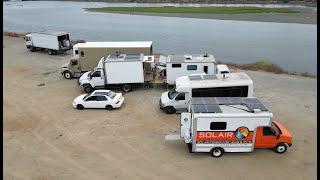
[(195, 77), (211, 104), (124, 57)]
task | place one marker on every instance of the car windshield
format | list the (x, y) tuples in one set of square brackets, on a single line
[(87, 95), (172, 94), (90, 73), (111, 94)]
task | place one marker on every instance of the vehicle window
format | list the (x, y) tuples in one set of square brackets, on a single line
[(235, 91), (218, 125), (101, 98), (91, 98), (96, 74), (192, 67), (268, 131), (176, 65), (74, 62), (82, 53), (76, 52), (180, 97), (112, 94), (172, 94)]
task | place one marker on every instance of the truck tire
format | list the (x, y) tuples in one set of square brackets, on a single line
[(190, 147), (32, 49), (50, 52), (67, 75), (217, 152), (87, 88), (80, 107), (126, 88), (109, 108), (280, 148), (170, 110)]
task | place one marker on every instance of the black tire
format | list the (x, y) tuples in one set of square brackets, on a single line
[(126, 88), (170, 110), (217, 152), (32, 49), (50, 52), (67, 75), (87, 88), (280, 148), (80, 107), (190, 147), (109, 108)]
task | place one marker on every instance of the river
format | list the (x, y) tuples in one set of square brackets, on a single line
[(291, 46)]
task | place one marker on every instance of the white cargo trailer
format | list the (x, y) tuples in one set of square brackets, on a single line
[(124, 70), (183, 65), (53, 42), (202, 85)]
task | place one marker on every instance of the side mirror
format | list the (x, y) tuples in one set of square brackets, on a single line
[(278, 136)]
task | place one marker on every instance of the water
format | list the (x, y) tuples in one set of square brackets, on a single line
[(292, 46)]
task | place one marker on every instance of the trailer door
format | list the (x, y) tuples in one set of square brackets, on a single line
[(185, 126)]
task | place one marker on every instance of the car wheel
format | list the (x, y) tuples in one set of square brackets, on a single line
[(67, 74), (50, 52), (280, 148), (126, 87), (88, 88), (216, 152), (169, 110), (109, 108), (190, 147), (32, 49), (80, 107)]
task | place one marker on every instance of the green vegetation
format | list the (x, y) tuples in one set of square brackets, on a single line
[(194, 10)]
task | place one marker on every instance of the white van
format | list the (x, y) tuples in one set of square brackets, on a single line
[(202, 85)]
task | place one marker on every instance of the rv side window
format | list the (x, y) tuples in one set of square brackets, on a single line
[(82, 53), (192, 67), (176, 65), (218, 125), (76, 51)]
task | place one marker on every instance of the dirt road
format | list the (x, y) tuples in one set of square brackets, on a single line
[(45, 138)]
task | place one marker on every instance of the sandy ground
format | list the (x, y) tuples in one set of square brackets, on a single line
[(45, 138), (305, 16)]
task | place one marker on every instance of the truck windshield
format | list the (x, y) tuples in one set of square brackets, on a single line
[(111, 94), (172, 94), (276, 129)]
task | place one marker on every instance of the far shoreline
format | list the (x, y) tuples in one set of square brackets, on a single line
[(304, 16)]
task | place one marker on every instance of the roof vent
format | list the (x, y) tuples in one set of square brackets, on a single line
[(187, 57)]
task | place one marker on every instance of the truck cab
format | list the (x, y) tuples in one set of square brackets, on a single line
[(28, 40), (273, 137)]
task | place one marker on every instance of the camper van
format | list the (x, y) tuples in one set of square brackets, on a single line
[(87, 55), (231, 124), (183, 65), (124, 70), (53, 42), (202, 85)]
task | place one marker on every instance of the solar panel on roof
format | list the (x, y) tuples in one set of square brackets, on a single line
[(253, 103), (209, 76), (212, 108), (195, 77)]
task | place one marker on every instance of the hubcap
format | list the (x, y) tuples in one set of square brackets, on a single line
[(217, 152), (67, 75), (281, 148)]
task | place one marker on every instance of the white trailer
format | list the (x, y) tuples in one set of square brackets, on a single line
[(231, 124), (183, 65), (201, 85), (53, 42), (124, 70)]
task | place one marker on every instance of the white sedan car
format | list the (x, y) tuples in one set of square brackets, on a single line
[(99, 99)]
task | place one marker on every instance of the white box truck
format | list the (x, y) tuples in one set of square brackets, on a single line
[(183, 65), (87, 55), (125, 70), (202, 85), (53, 42), (231, 124)]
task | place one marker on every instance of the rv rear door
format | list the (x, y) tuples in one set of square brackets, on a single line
[(185, 126)]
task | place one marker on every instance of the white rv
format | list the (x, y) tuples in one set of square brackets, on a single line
[(231, 124), (54, 42), (183, 65), (201, 85), (124, 70)]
